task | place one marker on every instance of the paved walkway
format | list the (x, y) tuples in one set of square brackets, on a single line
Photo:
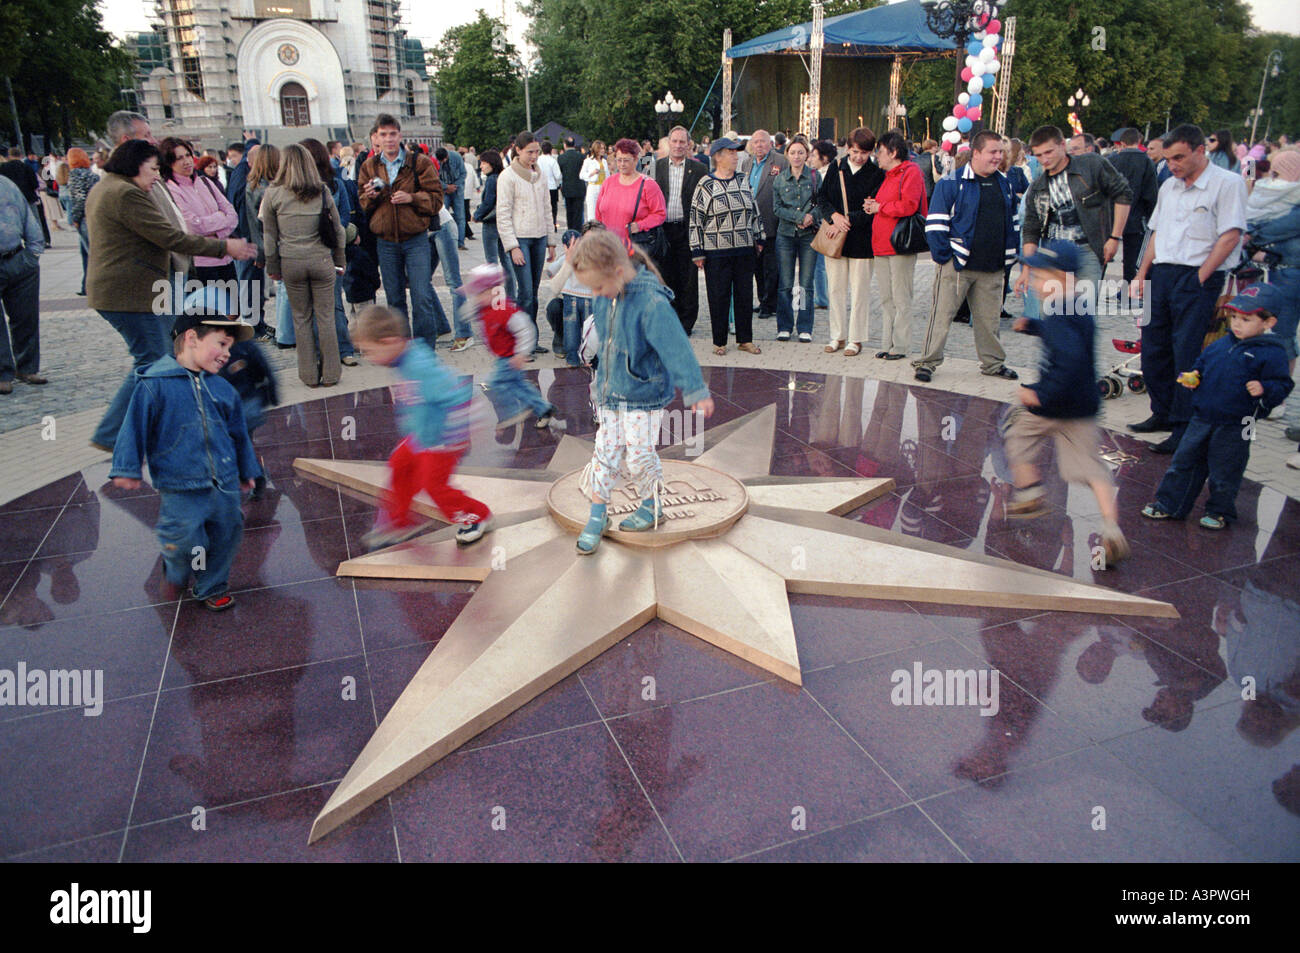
[(45, 431)]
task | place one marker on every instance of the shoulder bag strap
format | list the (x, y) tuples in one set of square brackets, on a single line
[(844, 193), (637, 207)]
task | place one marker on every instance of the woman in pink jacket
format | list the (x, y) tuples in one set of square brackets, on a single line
[(617, 206), (206, 211), (900, 196)]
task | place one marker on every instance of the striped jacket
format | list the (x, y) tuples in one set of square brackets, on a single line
[(954, 206)]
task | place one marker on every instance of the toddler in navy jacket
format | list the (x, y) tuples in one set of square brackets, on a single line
[(1238, 378), (188, 424)]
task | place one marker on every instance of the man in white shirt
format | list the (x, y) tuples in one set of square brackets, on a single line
[(1196, 229), (677, 175), (550, 169)]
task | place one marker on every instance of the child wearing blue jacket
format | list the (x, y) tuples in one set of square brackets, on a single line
[(188, 424), (432, 407), (644, 358), (1238, 378), (1063, 404)]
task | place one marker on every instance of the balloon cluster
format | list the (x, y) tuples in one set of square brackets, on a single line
[(982, 66)]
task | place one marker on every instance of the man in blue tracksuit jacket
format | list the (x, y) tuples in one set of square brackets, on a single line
[(973, 238)]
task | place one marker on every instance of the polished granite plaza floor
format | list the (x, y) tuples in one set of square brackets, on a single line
[(1116, 739)]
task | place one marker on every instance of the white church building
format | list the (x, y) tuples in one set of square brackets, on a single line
[(287, 69)]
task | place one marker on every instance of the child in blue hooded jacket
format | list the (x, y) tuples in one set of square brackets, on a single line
[(188, 424), (1238, 378), (644, 358)]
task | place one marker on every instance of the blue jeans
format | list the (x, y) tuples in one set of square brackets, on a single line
[(528, 276), (1217, 451), (819, 283), (456, 205), (147, 337), (341, 322), (209, 518), (449, 258), (1181, 311), (790, 248), (83, 233), (405, 265), (511, 393), (284, 333), (251, 279), (495, 254), (575, 313), (20, 341)]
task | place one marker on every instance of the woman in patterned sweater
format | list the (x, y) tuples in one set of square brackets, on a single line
[(723, 225)]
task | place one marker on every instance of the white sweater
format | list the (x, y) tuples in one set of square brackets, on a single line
[(523, 208)]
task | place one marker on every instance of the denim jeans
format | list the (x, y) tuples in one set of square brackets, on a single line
[(209, 518), (510, 392), (789, 249), (83, 233), (457, 209), (495, 254), (284, 333), (252, 280), (575, 314), (528, 276), (405, 265), (20, 287), (819, 283), (448, 256), (346, 348), (1217, 451), (147, 337)]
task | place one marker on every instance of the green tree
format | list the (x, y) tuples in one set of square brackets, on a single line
[(66, 70), (480, 94)]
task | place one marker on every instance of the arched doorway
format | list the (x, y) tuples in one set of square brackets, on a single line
[(293, 105)]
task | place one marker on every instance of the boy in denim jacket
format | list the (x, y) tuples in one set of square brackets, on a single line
[(188, 424)]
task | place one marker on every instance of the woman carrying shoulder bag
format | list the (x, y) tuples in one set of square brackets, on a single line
[(298, 216), (847, 184), (900, 198)]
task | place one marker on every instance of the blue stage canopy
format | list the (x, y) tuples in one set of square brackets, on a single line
[(880, 31)]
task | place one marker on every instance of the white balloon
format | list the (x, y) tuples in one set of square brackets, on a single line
[(975, 85), (971, 61), (992, 67), (954, 137), (963, 98), (987, 54), (978, 68), (990, 40), (949, 123)]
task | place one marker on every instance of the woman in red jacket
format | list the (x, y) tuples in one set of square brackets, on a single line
[(900, 196)]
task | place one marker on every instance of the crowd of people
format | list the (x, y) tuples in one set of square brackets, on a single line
[(777, 225)]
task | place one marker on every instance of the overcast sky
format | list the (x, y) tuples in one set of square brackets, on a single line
[(428, 19)]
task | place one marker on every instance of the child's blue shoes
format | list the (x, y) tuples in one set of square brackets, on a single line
[(590, 536), (645, 517)]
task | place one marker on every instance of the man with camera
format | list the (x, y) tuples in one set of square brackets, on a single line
[(401, 195)]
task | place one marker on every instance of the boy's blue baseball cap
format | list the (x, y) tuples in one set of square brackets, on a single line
[(569, 234), (214, 307), (1055, 254), (1259, 298)]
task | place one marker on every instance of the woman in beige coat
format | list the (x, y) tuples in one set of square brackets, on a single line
[(296, 251)]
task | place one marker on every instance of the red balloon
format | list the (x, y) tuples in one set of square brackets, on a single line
[(974, 113), (946, 146), (994, 27), (959, 110), (966, 74)]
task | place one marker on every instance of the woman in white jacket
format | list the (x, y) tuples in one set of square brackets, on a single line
[(524, 222), (594, 171)]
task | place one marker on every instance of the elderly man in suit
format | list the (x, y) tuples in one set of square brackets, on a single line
[(677, 175), (764, 167)]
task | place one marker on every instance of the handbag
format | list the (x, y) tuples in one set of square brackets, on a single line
[(826, 243), (652, 241), (325, 227), (909, 235)]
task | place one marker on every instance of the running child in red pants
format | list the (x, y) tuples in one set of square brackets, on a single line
[(433, 411)]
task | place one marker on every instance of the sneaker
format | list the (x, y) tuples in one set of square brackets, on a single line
[(1026, 504), (349, 361), (783, 335), (1115, 546), (1152, 512), (545, 420), (1209, 521), (462, 344), (266, 337), (805, 338), (1005, 373), (383, 536), (472, 532), (541, 350), (513, 419), (219, 603), (924, 375)]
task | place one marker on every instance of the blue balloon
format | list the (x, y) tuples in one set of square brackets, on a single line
[(974, 47), (988, 80), (975, 100), (964, 124)]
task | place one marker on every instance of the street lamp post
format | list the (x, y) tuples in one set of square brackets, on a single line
[(1272, 66), (1080, 101), (951, 19), (666, 107)]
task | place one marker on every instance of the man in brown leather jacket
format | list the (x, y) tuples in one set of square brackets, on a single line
[(401, 194)]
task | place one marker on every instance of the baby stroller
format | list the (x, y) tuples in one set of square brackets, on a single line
[(1112, 385)]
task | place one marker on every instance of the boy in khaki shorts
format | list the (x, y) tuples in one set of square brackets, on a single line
[(1063, 404)]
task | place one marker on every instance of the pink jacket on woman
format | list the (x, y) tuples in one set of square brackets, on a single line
[(206, 211), (617, 203), (901, 195)]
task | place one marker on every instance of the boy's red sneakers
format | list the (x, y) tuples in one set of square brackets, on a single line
[(219, 603)]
